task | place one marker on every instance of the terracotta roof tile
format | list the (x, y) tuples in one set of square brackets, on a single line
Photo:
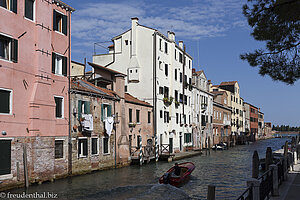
[(131, 99), (228, 83), (86, 86)]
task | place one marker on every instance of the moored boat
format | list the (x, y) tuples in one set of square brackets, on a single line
[(170, 178)]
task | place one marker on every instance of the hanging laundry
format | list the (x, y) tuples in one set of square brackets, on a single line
[(88, 122), (109, 123)]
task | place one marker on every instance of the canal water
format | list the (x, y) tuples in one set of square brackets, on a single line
[(228, 170)]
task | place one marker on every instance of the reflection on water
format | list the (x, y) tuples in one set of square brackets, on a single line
[(228, 170)]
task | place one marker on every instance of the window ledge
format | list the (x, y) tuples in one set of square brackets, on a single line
[(6, 114), (59, 32), (106, 154), (6, 177), (61, 75), (2, 59), (82, 157), (33, 21), (58, 159), (7, 9)]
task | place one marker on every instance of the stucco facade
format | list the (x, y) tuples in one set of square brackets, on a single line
[(202, 104), (253, 119), (221, 118), (235, 102), (159, 72), (34, 66), (77, 69)]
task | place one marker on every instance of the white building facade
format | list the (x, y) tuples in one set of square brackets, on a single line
[(202, 104), (159, 72)]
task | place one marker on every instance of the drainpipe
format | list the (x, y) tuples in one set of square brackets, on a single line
[(114, 56), (115, 129), (154, 87), (69, 99)]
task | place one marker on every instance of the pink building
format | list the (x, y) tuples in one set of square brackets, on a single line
[(34, 68)]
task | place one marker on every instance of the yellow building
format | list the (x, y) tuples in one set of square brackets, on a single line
[(235, 102), (77, 69)]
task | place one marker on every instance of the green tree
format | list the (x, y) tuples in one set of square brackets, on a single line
[(277, 22)]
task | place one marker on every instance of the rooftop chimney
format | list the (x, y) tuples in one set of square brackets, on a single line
[(193, 70), (180, 43), (171, 35), (134, 23)]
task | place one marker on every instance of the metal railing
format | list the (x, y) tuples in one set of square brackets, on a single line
[(247, 194), (266, 184), (165, 149)]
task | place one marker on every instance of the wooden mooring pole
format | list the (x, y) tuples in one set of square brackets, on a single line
[(25, 166), (255, 165), (269, 159), (211, 192)]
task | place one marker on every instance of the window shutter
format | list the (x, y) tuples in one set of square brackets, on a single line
[(85, 147), (64, 63), (59, 109), (54, 21), (102, 112), (79, 147), (79, 109), (14, 50), (65, 24), (109, 111), (53, 62), (13, 5), (87, 107)]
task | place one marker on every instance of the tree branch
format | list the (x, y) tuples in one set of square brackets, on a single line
[(272, 53)]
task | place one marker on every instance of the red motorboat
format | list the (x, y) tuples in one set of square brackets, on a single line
[(170, 178)]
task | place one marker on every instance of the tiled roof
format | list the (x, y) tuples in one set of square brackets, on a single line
[(110, 46), (218, 92), (131, 99), (198, 72), (228, 83), (105, 68), (86, 86)]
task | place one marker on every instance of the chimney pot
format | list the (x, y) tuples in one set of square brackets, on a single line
[(180, 43), (171, 35)]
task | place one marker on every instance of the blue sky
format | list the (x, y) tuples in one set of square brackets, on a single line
[(215, 33)]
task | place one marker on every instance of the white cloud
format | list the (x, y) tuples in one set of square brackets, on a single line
[(196, 19)]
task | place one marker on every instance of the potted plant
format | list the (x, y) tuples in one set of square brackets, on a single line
[(166, 100), (171, 100), (176, 103)]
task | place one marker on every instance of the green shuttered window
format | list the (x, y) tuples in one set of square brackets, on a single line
[(60, 22), (83, 108), (105, 111)]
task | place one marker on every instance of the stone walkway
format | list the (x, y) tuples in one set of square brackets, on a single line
[(290, 189)]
